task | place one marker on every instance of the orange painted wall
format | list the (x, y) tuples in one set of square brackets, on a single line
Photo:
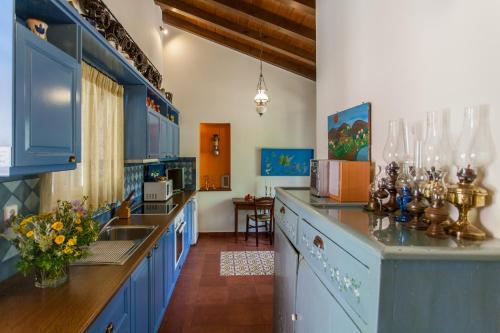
[(210, 165)]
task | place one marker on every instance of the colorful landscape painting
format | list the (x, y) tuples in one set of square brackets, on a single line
[(286, 162), (349, 134)]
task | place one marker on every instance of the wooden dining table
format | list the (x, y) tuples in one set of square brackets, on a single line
[(241, 204)]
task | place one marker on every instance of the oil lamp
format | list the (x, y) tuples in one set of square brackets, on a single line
[(394, 155), (417, 206), (475, 149), (373, 203), (437, 213)]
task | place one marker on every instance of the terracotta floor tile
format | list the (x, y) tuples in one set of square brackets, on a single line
[(264, 293), (212, 280), (212, 295), (242, 294), (204, 301), (229, 314)]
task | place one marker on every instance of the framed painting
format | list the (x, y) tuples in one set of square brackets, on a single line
[(349, 134), (286, 162)]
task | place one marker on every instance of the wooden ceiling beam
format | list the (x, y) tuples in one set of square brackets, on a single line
[(182, 8), (264, 16), (268, 56), (304, 6)]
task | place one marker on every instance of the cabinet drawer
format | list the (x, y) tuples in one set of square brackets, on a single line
[(346, 277), (287, 220), (116, 316)]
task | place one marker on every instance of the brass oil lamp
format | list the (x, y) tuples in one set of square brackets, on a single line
[(475, 149)]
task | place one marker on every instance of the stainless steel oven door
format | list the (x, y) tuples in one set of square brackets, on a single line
[(179, 242)]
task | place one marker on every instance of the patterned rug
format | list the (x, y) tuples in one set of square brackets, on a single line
[(234, 263)]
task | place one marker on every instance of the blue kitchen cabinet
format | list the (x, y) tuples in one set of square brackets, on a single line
[(158, 282), (47, 85), (140, 300), (153, 135), (116, 316), (149, 135), (176, 140), (163, 138), (170, 139), (170, 262)]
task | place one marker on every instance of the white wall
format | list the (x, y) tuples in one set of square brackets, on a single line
[(212, 83), (408, 57), (142, 20)]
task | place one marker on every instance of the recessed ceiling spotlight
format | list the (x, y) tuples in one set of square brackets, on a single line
[(163, 30)]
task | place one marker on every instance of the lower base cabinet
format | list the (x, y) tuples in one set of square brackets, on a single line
[(139, 306), (317, 310), (286, 261), (117, 315), (139, 282)]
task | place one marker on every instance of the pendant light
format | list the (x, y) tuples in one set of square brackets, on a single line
[(261, 99)]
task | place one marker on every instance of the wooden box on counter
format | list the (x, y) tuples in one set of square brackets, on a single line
[(349, 180)]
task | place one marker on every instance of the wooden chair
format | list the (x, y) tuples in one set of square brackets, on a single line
[(263, 216)]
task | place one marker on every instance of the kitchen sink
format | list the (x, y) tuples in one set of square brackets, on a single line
[(126, 233), (116, 244)]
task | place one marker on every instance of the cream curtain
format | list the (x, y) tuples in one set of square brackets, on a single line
[(99, 176)]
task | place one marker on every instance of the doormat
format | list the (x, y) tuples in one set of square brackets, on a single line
[(245, 263)]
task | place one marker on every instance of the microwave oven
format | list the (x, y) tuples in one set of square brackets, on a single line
[(319, 178), (158, 191)]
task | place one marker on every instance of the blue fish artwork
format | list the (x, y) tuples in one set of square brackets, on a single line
[(286, 161)]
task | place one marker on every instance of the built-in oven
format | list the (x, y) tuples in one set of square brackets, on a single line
[(180, 226)]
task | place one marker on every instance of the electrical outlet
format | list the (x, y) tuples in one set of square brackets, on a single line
[(9, 211)]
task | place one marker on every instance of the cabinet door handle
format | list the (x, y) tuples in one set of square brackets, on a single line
[(156, 246), (110, 327), (282, 210), (318, 242), (71, 159), (295, 317)]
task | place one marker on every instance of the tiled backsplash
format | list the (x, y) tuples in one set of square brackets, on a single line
[(24, 193), (134, 177), (189, 165)]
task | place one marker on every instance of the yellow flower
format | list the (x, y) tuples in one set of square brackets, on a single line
[(29, 234), (58, 225), (78, 221), (72, 241), (59, 239), (79, 229), (67, 250), (26, 221)]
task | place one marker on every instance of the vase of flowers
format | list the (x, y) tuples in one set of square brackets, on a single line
[(49, 242)]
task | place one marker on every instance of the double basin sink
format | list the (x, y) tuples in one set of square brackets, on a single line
[(116, 244)]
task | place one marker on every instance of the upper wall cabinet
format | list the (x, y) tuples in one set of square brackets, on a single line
[(41, 103), (47, 98), (149, 136)]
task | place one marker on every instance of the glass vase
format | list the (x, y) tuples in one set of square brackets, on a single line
[(51, 279)]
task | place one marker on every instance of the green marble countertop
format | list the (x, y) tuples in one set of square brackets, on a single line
[(389, 238)]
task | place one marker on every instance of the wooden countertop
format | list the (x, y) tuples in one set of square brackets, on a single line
[(73, 306)]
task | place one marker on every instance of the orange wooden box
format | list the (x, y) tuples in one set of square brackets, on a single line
[(349, 180)]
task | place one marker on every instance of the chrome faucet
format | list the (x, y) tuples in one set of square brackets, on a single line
[(107, 224)]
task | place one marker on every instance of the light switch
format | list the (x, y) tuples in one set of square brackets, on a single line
[(9, 211)]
